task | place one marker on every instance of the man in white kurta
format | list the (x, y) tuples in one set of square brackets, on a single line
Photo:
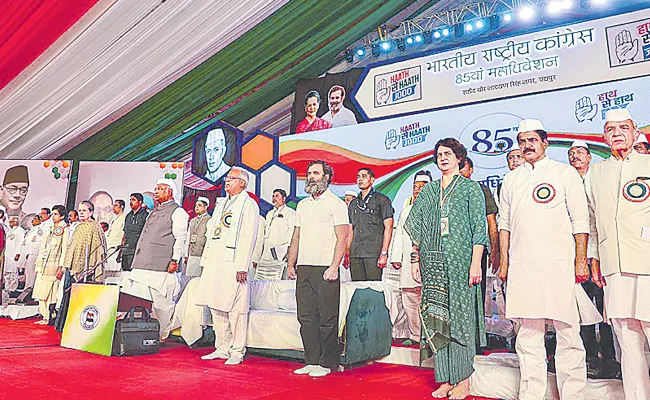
[(280, 222), (228, 252), (13, 243), (29, 251), (400, 258), (544, 224), (114, 236), (618, 190), (157, 253)]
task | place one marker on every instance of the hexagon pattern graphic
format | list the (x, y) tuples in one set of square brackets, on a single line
[(274, 177), (257, 152)]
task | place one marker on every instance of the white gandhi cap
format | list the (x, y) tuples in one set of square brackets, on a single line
[(205, 200), (618, 115), (529, 125), (351, 193), (641, 139), (579, 143), (168, 182), (423, 178)]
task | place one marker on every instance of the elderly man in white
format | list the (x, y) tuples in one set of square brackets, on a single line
[(618, 190), (228, 252), (157, 253), (544, 225)]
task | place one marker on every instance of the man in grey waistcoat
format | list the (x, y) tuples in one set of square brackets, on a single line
[(157, 254), (196, 238)]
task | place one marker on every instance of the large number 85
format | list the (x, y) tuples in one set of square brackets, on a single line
[(484, 137)]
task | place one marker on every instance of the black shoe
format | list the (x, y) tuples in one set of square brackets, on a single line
[(551, 365)]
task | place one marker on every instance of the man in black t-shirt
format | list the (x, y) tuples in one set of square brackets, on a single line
[(133, 224), (371, 216)]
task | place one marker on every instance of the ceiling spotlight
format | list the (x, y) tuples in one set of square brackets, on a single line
[(409, 40), (445, 32), (479, 24), (375, 50), (566, 4), (385, 46), (469, 27), (436, 35), (555, 7), (361, 52), (526, 13), (418, 38), (507, 17)]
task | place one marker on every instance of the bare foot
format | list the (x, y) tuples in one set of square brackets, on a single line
[(460, 391), (443, 391)]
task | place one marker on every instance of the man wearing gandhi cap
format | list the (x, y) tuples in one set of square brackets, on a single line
[(618, 190), (579, 158), (543, 227), (641, 145), (349, 196), (157, 253), (15, 186), (196, 237)]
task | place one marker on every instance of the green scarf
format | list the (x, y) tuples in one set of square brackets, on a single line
[(423, 226)]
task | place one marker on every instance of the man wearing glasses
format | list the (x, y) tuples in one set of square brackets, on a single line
[(13, 192)]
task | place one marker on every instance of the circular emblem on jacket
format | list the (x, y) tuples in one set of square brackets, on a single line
[(89, 318), (226, 219), (636, 191), (58, 231), (12, 236), (39, 232), (544, 193)]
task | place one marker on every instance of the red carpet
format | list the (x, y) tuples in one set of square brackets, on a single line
[(32, 367)]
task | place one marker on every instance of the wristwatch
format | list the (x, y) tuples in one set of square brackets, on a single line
[(384, 253)]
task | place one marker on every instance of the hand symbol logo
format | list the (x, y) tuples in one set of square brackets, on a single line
[(392, 139), (585, 110), (626, 48), (382, 92)]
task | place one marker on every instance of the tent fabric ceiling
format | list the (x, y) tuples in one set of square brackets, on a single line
[(301, 39), (28, 28), (129, 53)]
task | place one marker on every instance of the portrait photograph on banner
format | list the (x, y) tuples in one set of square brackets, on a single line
[(324, 103), (214, 151), (103, 182), (29, 185)]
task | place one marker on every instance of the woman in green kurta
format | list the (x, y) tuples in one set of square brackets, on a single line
[(449, 232)]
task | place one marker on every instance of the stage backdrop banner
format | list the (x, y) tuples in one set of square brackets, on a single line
[(597, 51), (334, 92), (90, 323), (29, 185), (103, 182), (397, 148)]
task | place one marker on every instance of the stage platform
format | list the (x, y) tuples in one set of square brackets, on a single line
[(497, 375), (33, 366)]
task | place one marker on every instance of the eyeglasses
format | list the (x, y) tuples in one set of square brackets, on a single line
[(13, 190), (230, 178)]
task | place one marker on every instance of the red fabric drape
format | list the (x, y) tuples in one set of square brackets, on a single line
[(29, 27)]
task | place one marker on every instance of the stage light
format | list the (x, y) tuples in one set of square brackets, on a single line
[(418, 38), (409, 40), (445, 32), (436, 35), (386, 46), (401, 46), (361, 52), (469, 27), (479, 24), (428, 37), (349, 56), (526, 13), (555, 7), (507, 17), (375, 50)]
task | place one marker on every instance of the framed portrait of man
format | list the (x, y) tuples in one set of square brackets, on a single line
[(215, 152)]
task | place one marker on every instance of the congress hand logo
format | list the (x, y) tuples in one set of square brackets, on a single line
[(382, 92), (626, 48), (585, 109), (392, 139)]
